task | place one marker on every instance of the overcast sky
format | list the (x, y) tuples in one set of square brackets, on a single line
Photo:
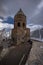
[(33, 9)]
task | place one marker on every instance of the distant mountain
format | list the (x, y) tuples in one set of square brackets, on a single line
[(1, 17), (37, 33), (9, 20), (41, 32), (34, 27)]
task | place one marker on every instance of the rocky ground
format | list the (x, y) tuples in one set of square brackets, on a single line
[(36, 54)]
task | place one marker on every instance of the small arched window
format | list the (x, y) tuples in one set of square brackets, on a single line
[(23, 24), (18, 24)]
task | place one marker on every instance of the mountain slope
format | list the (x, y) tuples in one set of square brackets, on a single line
[(9, 20), (37, 34)]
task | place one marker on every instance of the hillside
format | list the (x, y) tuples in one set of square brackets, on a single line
[(36, 54)]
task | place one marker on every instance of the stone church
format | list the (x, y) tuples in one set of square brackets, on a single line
[(20, 34), (19, 52)]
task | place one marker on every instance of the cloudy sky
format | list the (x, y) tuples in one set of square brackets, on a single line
[(33, 9)]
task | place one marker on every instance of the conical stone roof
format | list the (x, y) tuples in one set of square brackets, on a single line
[(20, 12)]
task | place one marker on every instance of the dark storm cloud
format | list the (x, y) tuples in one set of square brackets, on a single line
[(12, 6), (38, 19), (32, 8)]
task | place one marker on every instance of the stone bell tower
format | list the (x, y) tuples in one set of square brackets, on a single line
[(20, 33), (20, 20)]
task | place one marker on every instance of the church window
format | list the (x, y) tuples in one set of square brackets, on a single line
[(23, 24), (18, 24)]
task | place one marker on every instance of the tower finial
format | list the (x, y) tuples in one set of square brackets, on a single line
[(20, 9)]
